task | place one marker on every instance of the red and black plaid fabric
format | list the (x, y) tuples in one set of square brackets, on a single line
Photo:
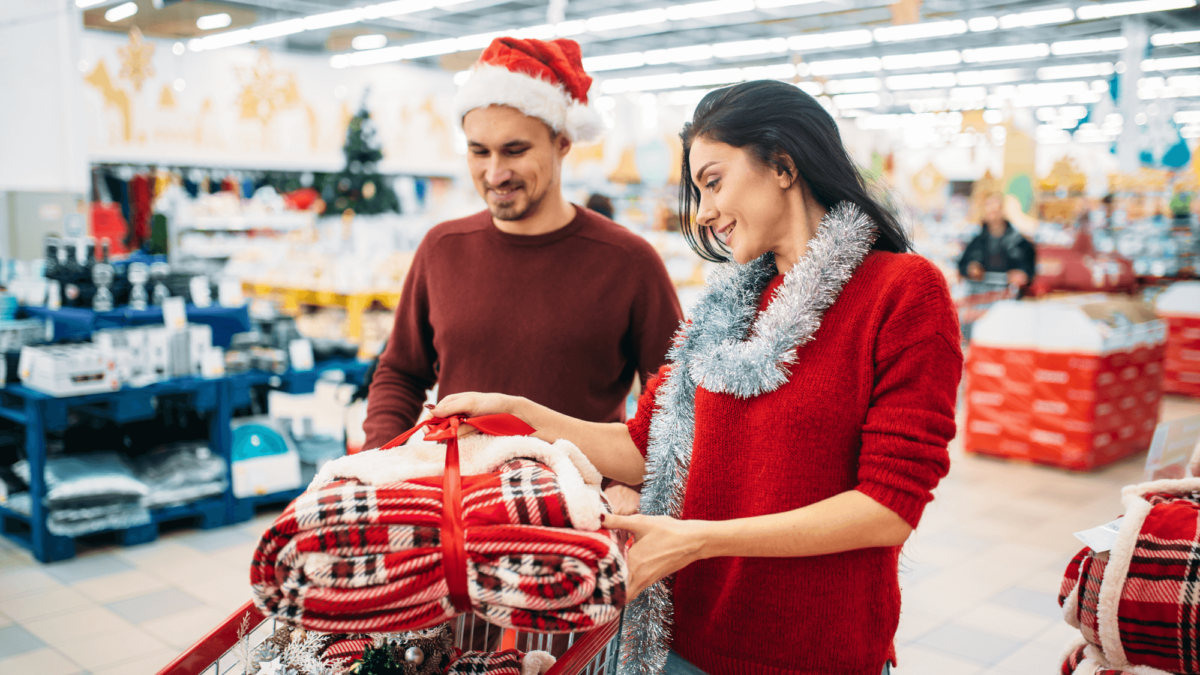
[(349, 557), (1159, 610), (1076, 658)]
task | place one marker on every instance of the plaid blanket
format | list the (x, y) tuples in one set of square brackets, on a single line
[(347, 557), (1139, 604), (1082, 661)]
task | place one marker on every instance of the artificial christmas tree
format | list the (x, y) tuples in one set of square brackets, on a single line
[(360, 187)]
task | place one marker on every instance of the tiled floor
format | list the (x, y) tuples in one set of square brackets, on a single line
[(979, 579)]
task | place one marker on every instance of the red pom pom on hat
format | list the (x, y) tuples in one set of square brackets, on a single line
[(543, 79)]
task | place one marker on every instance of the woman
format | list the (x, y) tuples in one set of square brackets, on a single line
[(792, 442)]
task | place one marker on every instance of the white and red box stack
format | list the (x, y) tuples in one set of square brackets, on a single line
[(1179, 307), (1074, 382)]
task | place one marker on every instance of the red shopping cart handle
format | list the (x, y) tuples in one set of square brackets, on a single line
[(213, 646)]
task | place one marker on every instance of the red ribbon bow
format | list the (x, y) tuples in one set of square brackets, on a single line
[(454, 552)]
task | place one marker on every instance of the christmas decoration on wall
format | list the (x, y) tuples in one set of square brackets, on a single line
[(115, 98), (136, 59), (360, 187)]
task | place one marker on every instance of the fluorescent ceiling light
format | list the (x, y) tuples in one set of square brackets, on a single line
[(845, 66), (1187, 117), (1181, 38), (968, 93), (772, 4), (978, 77), (369, 41), (727, 50), (1079, 70), (84, 4), (778, 71), (698, 10), (648, 83), (706, 78), (277, 29), (983, 23), (1007, 53), (657, 57), (1090, 46), (330, 19), (614, 62), (645, 17), (917, 31), (1111, 9), (477, 41), (922, 60), (683, 97), (856, 100), (543, 31), (214, 21), (1037, 18), (1175, 63), (122, 11), (396, 8), (845, 38), (570, 28), (921, 81), (222, 40), (432, 48), (810, 88), (853, 86)]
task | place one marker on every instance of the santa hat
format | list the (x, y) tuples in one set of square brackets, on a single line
[(543, 79)]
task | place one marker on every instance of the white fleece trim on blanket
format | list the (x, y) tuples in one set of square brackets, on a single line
[(536, 663), (1070, 607), (1093, 660), (479, 454)]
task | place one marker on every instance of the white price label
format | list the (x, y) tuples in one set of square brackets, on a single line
[(1102, 538), (301, 354), (174, 313)]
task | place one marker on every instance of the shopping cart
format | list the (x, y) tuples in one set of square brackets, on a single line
[(592, 653), (974, 298)]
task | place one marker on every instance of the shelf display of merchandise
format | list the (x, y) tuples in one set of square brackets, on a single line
[(1179, 307)]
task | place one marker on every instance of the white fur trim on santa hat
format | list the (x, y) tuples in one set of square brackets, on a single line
[(536, 663), (551, 103), (479, 454)]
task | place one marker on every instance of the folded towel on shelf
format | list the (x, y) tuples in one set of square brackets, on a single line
[(87, 493), (362, 549), (181, 473)]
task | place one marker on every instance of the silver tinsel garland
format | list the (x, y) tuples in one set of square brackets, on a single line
[(713, 351)]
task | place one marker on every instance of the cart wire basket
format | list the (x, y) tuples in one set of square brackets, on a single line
[(592, 653)]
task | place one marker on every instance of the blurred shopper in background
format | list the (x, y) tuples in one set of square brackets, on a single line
[(601, 204), (999, 248)]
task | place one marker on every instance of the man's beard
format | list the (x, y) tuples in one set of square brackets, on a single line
[(516, 209)]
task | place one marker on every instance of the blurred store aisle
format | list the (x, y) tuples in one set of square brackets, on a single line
[(980, 580)]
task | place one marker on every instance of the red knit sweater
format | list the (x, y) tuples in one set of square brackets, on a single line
[(869, 407)]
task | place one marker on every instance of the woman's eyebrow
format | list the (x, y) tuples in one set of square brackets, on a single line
[(700, 173)]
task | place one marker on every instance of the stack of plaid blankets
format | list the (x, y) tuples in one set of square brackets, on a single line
[(1137, 606), (361, 550)]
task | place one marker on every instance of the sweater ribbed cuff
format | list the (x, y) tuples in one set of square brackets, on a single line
[(904, 504)]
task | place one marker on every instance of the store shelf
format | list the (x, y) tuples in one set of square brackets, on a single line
[(278, 222), (77, 323), (293, 299)]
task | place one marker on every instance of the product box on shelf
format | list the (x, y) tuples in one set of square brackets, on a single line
[(146, 354), (67, 370), (1179, 307), (264, 459), (1074, 382)]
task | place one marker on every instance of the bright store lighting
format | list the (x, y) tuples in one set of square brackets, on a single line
[(968, 93), (645, 83), (810, 88), (1187, 117), (867, 64), (123, 11), (1079, 70), (710, 78), (1112, 9), (645, 17), (461, 77), (214, 21), (772, 4), (845, 38), (396, 8), (178, 49), (981, 24), (84, 4), (993, 117), (856, 100), (921, 81), (277, 29), (1037, 18), (922, 60), (726, 50), (1090, 46), (331, 19), (597, 64), (779, 71), (657, 57), (1181, 38), (978, 77), (221, 40), (1048, 134), (853, 86), (918, 31), (179, 84), (369, 41), (686, 97), (1007, 53), (1174, 63), (698, 10)]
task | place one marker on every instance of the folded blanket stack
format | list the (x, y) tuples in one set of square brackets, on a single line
[(1137, 606), (362, 549), (180, 473), (87, 493)]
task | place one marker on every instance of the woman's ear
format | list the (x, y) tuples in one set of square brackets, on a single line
[(785, 170)]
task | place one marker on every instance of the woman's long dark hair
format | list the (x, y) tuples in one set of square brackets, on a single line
[(771, 119)]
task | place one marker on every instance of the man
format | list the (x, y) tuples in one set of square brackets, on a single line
[(999, 247), (535, 296)]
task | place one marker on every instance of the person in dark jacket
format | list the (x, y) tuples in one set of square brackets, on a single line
[(999, 247)]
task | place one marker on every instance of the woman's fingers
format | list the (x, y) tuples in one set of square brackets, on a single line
[(635, 524)]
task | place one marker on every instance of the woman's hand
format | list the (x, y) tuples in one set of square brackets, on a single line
[(476, 405), (662, 547), (623, 499)]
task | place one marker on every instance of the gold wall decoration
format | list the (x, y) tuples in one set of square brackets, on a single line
[(166, 98), (115, 98), (627, 170), (136, 59), (1064, 174), (265, 91)]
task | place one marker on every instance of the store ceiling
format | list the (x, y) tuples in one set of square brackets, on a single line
[(703, 26)]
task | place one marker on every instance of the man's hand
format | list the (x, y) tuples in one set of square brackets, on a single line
[(975, 271), (624, 500), (1018, 278)]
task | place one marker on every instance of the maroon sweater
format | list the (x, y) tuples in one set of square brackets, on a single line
[(564, 319), (869, 406)]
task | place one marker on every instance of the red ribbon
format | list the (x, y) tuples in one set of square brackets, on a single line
[(454, 552)]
